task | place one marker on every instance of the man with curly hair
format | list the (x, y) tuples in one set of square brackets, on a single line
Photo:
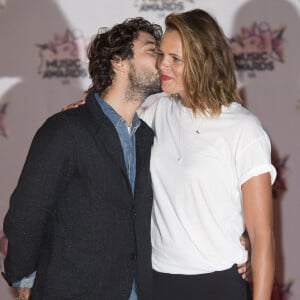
[(78, 226)]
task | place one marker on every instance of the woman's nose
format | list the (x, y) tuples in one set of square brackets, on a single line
[(163, 64)]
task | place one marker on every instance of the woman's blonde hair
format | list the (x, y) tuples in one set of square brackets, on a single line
[(208, 74)]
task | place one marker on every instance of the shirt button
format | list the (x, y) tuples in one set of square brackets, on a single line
[(133, 212)]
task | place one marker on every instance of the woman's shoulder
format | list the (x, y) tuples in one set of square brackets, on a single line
[(148, 109), (154, 99), (241, 115), (244, 126)]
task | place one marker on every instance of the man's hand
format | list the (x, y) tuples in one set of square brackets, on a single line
[(74, 105), (245, 268), (22, 293)]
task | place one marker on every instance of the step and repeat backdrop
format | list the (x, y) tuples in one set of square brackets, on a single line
[(43, 67)]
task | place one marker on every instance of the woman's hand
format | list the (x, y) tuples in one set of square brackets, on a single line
[(245, 268), (74, 105)]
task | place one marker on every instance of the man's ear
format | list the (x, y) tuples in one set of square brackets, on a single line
[(117, 63)]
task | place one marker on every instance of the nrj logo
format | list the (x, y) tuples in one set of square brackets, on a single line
[(258, 48), (161, 5), (63, 57)]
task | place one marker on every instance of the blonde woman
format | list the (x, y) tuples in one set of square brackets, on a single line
[(211, 171)]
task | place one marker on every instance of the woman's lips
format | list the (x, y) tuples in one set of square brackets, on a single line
[(165, 77)]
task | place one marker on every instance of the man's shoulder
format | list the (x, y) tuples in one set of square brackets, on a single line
[(64, 121), (73, 114)]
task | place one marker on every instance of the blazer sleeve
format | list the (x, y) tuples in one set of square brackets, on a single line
[(33, 199)]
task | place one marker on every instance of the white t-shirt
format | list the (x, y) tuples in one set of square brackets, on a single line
[(198, 165)]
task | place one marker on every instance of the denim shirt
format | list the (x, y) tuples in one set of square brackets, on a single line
[(127, 139)]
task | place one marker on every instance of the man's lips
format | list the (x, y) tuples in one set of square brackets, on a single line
[(165, 77)]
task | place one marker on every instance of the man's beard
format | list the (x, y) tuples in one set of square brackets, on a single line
[(142, 84)]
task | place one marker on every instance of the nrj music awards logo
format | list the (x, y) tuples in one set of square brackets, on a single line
[(64, 56), (258, 48), (161, 5)]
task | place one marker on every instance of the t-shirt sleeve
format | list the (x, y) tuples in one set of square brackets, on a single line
[(254, 154)]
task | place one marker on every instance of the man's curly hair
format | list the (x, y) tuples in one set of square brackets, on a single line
[(116, 42)]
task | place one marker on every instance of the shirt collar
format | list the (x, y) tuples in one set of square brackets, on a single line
[(115, 118)]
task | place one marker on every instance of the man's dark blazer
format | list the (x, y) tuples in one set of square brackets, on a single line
[(72, 216)]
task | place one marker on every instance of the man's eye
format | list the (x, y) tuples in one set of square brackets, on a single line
[(153, 51)]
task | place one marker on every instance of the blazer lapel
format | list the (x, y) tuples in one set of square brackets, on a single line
[(142, 144), (106, 136)]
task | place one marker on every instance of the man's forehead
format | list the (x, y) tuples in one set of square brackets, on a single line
[(145, 38)]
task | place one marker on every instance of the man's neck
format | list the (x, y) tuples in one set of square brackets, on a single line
[(126, 108)]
